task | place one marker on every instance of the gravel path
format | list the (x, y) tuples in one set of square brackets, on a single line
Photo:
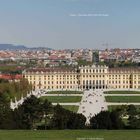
[(92, 103), (121, 94)]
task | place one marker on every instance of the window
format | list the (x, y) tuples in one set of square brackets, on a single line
[(90, 82), (96, 82), (83, 82)]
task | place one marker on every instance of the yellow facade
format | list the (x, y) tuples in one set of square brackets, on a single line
[(52, 78), (87, 77), (124, 78)]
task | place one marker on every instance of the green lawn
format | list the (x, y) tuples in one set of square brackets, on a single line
[(113, 107), (65, 92), (63, 99), (122, 99), (71, 108), (6, 68), (71, 135), (122, 92)]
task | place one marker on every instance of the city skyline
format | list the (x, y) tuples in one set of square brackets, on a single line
[(67, 24)]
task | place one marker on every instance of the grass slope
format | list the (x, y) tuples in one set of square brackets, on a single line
[(70, 135)]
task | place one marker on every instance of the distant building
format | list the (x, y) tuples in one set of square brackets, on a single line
[(136, 59), (85, 77), (11, 77)]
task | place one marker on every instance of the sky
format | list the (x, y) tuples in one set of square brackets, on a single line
[(65, 24)]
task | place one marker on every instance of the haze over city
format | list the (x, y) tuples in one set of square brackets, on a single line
[(63, 24)]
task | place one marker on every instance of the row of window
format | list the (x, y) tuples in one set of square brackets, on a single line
[(118, 86), (72, 87), (124, 82), (93, 71), (57, 82), (57, 87), (51, 76), (70, 76), (93, 76), (93, 82)]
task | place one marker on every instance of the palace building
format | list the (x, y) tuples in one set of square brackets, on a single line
[(85, 77)]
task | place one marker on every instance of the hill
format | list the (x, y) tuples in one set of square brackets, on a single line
[(20, 47)]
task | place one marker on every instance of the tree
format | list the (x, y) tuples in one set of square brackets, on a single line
[(3, 81), (76, 121), (65, 119), (47, 110), (6, 121), (29, 113), (134, 117), (60, 118), (101, 121), (116, 120), (83, 62)]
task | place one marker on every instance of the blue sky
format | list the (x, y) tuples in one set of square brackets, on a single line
[(48, 23)]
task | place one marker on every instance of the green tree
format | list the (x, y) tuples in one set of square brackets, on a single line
[(29, 113), (47, 111), (134, 117), (76, 121), (116, 119), (101, 121), (60, 118)]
